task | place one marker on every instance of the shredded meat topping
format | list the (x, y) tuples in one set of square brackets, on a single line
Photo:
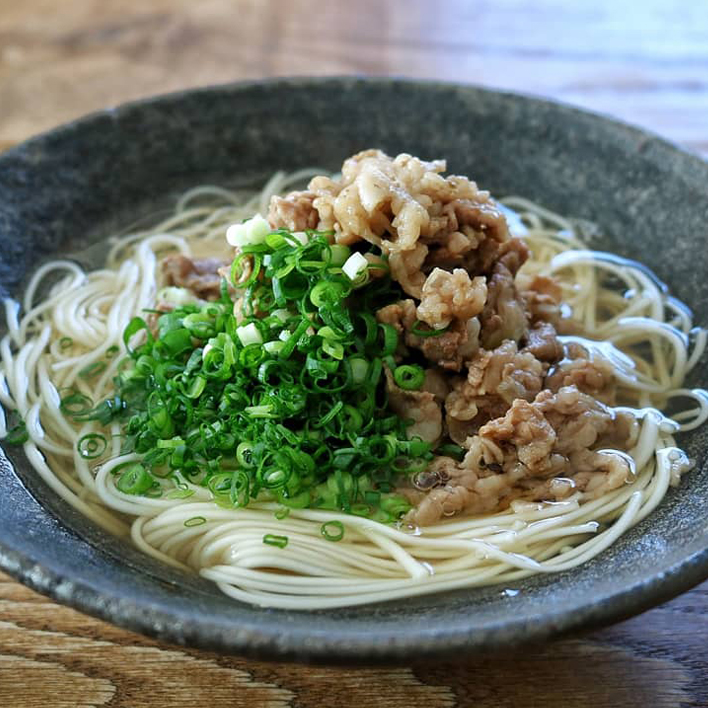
[(542, 342), (404, 206), (437, 384), (294, 211), (543, 450), (200, 275), (594, 376), (406, 269), (451, 295), (543, 298), (394, 202), (504, 313), (450, 349), (495, 379)]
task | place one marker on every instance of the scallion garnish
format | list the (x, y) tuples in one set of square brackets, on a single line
[(75, 404), (333, 530), (409, 377), (17, 431), (135, 479), (92, 369), (452, 450), (428, 331), (271, 539), (91, 446), (180, 494), (281, 400)]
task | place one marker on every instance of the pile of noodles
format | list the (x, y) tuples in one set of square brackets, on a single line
[(70, 319)]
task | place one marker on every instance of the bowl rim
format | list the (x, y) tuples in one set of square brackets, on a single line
[(268, 641)]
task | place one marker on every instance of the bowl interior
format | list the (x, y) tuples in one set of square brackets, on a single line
[(70, 188)]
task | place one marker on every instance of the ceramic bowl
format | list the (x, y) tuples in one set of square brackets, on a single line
[(75, 185)]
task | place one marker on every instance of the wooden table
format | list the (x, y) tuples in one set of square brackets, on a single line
[(645, 61)]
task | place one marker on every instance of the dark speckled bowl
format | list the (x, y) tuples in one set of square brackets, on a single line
[(79, 182)]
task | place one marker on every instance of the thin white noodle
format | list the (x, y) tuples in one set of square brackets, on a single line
[(372, 562)]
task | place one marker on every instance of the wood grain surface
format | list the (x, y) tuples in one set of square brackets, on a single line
[(645, 61)]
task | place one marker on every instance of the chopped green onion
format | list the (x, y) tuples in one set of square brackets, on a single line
[(170, 444), (451, 450), (372, 498), (332, 530), (260, 411), (359, 367), (17, 434), (300, 236), (334, 349), (428, 332), (75, 404), (135, 480), (65, 343), (282, 314), (249, 334), (390, 339), (278, 398), (354, 419), (274, 347), (356, 265), (196, 387), (197, 324), (195, 521), (276, 240), (250, 232), (180, 494), (396, 505), (361, 510), (274, 540), (326, 292), (292, 340), (409, 377), (135, 326), (92, 369), (91, 446), (339, 254), (244, 454)]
